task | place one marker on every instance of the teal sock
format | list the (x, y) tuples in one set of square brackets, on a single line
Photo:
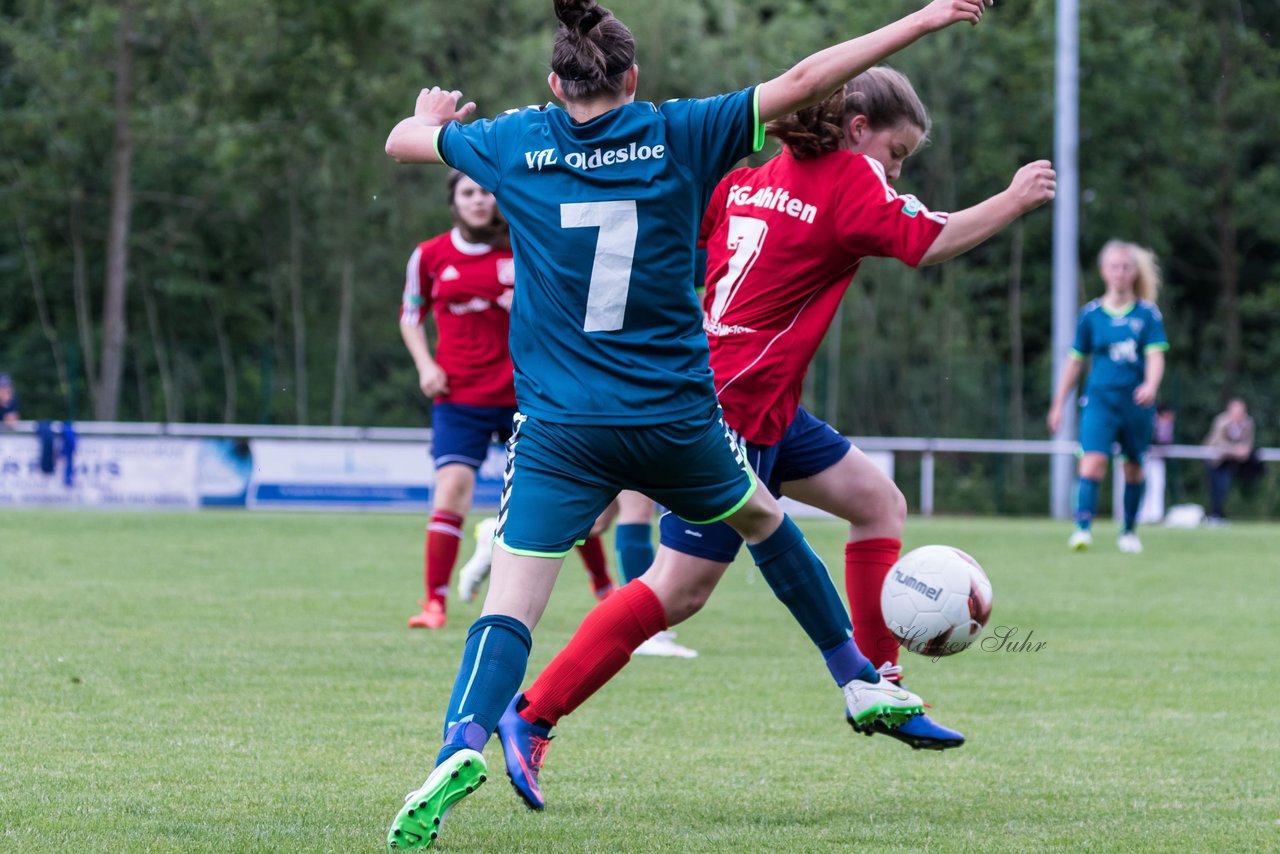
[(493, 665), (1086, 502), (1132, 501), (634, 545), (800, 580)]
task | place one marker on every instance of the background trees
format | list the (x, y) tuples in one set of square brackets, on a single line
[(199, 222)]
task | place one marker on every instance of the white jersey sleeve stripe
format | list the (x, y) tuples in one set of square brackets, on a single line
[(411, 303)]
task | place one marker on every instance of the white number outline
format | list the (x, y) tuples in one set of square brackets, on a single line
[(614, 253), (745, 240)]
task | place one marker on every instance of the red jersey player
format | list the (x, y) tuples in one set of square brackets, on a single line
[(464, 278), (783, 242)]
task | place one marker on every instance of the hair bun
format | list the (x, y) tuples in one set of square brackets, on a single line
[(580, 15)]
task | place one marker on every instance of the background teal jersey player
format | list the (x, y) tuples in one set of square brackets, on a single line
[(604, 198), (1122, 334)]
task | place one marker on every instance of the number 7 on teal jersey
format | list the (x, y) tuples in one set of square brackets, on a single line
[(611, 269)]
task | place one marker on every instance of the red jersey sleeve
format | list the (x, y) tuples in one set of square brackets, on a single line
[(876, 221), (416, 300), (715, 209)]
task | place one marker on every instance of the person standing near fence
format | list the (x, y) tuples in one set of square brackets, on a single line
[(1122, 333), (8, 404), (1231, 439), (464, 278)]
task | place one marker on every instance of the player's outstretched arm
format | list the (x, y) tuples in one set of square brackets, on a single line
[(413, 140), (817, 76), (1032, 186)]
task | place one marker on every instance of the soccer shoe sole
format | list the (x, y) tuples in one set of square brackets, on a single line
[(417, 824), (885, 713), (916, 742), (525, 799)]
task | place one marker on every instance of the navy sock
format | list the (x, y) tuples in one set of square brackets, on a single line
[(800, 580), (1132, 501), (634, 544), (1086, 502), (493, 665), (846, 663)]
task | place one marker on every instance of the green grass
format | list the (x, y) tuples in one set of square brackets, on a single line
[(244, 682)]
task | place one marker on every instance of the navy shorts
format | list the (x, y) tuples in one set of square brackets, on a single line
[(809, 446), (462, 433), (1111, 416), (560, 477)]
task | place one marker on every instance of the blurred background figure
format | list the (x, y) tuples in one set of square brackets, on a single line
[(1164, 433), (8, 403), (1166, 421), (1231, 438)]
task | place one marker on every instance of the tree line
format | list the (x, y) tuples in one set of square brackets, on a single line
[(200, 224)]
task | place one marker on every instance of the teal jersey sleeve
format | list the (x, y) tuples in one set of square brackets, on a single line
[(710, 135), (478, 149), (1084, 339), (1154, 329)]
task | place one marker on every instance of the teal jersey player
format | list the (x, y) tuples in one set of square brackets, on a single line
[(1122, 336), (604, 197), (599, 213), (1117, 343)]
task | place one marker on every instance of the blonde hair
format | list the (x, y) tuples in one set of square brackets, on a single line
[(1147, 285)]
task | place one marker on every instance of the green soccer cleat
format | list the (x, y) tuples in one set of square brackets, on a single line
[(880, 701), (418, 823)]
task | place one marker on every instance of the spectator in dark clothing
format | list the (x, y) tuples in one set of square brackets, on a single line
[(1231, 439), (8, 403)]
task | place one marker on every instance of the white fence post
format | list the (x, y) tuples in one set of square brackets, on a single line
[(926, 483)]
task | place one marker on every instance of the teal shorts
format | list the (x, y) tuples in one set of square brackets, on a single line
[(1111, 417), (560, 477)]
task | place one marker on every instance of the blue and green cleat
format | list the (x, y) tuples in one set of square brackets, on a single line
[(920, 732), (524, 746), (417, 824)]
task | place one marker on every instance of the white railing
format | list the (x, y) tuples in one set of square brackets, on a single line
[(927, 448)]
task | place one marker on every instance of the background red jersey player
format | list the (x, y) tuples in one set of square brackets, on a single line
[(783, 242), (464, 279)]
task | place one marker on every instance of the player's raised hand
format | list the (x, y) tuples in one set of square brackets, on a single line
[(1034, 184), (438, 106), (944, 13)]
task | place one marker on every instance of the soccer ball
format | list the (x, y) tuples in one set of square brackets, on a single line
[(936, 600)]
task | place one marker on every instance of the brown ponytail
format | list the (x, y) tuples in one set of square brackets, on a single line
[(592, 51), (883, 95)]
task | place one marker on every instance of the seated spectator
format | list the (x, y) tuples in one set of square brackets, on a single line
[(8, 404), (1231, 439)]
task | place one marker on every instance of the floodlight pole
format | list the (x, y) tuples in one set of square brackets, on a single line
[(1066, 235)]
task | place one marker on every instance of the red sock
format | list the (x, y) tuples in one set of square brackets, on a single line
[(444, 535), (600, 648), (597, 565), (866, 563)]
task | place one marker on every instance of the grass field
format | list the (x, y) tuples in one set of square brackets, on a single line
[(244, 682)]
